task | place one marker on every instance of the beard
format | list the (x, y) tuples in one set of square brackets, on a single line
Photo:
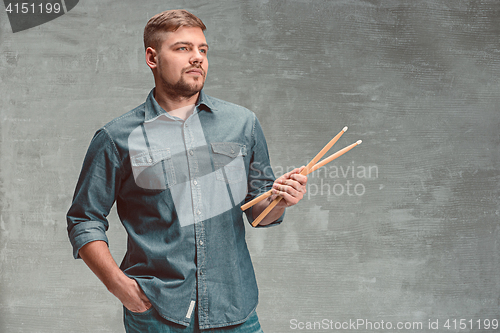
[(181, 88)]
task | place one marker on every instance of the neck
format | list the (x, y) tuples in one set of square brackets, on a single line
[(169, 102)]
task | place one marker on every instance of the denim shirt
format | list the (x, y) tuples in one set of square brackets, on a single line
[(178, 186)]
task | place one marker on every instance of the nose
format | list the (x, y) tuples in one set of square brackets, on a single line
[(196, 59)]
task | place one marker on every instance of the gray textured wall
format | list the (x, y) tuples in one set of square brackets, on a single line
[(415, 240)]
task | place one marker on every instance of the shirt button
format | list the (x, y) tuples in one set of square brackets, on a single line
[(201, 272), (195, 182), (198, 212), (201, 242), (191, 152), (150, 160)]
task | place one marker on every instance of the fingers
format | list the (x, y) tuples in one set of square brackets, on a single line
[(294, 171), (288, 199), (140, 309), (142, 296), (291, 187), (136, 300), (294, 179)]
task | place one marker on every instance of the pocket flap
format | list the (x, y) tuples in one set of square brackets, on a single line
[(229, 149), (147, 159)]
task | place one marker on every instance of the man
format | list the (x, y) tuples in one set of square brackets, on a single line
[(179, 167)]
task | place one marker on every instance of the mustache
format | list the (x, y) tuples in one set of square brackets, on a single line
[(194, 67)]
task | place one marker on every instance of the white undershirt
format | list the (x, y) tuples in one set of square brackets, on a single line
[(183, 112)]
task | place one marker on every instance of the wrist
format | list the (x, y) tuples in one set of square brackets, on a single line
[(118, 283)]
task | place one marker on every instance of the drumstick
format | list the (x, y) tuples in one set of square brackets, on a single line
[(334, 156), (315, 167), (323, 151), (310, 165)]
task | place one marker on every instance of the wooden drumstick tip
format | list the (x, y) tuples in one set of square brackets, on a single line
[(344, 129), (359, 142)]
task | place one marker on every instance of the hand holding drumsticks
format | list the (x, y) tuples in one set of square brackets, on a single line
[(291, 186)]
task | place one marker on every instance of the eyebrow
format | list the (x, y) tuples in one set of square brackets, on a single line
[(190, 44)]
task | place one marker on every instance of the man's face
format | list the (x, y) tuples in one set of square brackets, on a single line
[(182, 63)]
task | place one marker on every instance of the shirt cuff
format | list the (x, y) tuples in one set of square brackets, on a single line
[(249, 213), (84, 233)]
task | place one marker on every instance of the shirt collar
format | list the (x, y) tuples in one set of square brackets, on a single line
[(154, 110)]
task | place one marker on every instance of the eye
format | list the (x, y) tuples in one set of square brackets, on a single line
[(182, 48)]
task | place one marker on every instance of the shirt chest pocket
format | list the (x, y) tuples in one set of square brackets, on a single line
[(228, 161), (153, 169)]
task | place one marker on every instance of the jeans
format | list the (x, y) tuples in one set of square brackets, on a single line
[(151, 322)]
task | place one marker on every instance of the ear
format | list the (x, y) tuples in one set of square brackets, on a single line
[(151, 58)]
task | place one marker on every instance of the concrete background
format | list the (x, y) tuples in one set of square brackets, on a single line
[(412, 235)]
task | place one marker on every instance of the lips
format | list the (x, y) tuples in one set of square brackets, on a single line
[(196, 71)]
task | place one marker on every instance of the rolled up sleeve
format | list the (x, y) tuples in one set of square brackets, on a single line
[(95, 193), (261, 176)]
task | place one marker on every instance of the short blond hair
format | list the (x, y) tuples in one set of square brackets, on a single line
[(168, 21)]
